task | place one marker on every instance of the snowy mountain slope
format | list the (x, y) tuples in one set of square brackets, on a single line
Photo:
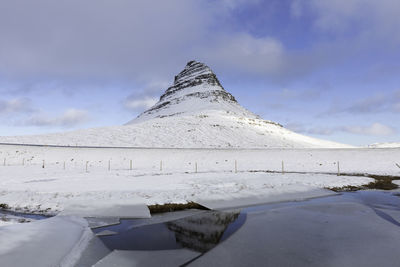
[(195, 112)]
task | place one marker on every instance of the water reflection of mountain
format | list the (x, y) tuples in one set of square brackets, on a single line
[(204, 231)]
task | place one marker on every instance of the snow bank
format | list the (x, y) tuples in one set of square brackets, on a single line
[(129, 208), (115, 188), (57, 241)]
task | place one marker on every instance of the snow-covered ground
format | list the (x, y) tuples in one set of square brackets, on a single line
[(57, 241), (205, 129), (169, 175)]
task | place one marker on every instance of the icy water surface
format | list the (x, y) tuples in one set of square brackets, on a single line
[(199, 232), (22, 215), (10, 217), (351, 229)]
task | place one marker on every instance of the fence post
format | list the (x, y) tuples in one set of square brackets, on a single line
[(161, 165), (109, 165), (64, 165), (43, 164), (4, 162), (235, 166), (87, 165), (338, 169), (130, 165), (195, 167), (283, 167)]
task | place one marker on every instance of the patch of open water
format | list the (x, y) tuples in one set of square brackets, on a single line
[(202, 232), (23, 215)]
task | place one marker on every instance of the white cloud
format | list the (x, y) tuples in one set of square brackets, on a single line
[(105, 38), (296, 8), (16, 105), (369, 18), (396, 107), (246, 53), (140, 104), (70, 117), (237, 3), (384, 101), (301, 128), (376, 129), (146, 97)]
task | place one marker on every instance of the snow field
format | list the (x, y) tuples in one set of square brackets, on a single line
[(52, 188), (25, 159), (202, 129)]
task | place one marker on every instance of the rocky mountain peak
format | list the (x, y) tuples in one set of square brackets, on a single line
[(194, 70), (195, 88), (194, 74)]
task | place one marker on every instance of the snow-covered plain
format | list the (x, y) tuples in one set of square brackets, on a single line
[(203, 129), (176, 175)]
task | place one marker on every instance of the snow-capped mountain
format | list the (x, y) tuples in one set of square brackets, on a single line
[(196, 89), (195, 112)]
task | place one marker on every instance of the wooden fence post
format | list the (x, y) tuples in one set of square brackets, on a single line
[(161, 165), (338, 169), (235, 166), (43, 164), (195, 167), (87, 165)]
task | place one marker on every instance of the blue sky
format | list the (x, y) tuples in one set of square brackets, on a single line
[(329, 69)]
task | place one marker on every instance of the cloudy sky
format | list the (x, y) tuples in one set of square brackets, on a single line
[(329, 69)]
